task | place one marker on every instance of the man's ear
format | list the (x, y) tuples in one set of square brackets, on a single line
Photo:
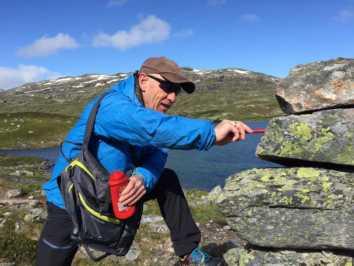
[(142, 79)]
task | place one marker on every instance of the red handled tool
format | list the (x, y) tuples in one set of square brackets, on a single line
[(258, 130)]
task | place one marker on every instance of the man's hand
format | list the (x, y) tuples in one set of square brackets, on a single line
[(133, 191), (229, 131)]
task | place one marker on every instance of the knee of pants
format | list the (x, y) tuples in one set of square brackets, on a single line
[(170, 176), (168, 181), (58, 227), (54, 256)]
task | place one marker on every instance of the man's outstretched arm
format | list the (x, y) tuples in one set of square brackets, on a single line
[(226, 131)]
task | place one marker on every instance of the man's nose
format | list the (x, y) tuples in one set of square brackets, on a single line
[(172, 96)]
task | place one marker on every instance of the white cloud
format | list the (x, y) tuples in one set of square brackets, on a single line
[(250, 18), (183, 33), (216, 2), (116, 3), (13, 77), (149, 30), (48, 45), (344, 16)]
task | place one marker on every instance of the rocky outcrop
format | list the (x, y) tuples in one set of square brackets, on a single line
[(292, 208), (319, 85), (301, 215), (241, 256), (325, 136)]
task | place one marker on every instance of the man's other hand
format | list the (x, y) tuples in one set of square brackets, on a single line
[(228, 131), (133, 191)]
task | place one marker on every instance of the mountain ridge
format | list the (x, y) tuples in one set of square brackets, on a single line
[(43, 95)]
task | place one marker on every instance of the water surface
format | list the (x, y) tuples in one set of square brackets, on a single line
[(196, 169)]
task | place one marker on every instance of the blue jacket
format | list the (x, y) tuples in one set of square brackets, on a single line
[(126, 131)]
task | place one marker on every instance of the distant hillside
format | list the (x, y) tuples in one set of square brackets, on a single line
[(220, 93), (230, 93), (65, 95), (225, 93)]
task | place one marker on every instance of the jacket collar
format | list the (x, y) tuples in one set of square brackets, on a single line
[(129, 88)]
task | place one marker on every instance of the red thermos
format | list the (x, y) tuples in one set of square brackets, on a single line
[(117, 182)]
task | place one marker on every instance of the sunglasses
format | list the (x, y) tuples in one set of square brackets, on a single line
[(167, 86)]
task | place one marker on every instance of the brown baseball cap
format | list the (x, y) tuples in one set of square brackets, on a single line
[(169, 70)]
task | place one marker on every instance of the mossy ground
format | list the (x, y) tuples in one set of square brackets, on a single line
[(26, 130), (6, 161), (19, 246), (229, 104), (23, 173), (16, 247), (18, 239), (202, 210)]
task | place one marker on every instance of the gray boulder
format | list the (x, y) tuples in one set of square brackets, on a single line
[(319, 85), (240, 256), (324, 137), (291, 208)]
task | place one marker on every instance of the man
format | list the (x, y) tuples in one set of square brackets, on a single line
[(131, 125)]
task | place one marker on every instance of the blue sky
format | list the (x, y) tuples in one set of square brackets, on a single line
[(43, 39)]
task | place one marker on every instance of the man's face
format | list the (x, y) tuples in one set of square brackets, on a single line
[(158, 94)]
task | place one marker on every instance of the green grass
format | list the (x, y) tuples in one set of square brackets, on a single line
[(27, 186), (7, 161), (241, 104), (67, 105), (16, 247), (27, 183), (28, 130), (230, 104), (202, 212)]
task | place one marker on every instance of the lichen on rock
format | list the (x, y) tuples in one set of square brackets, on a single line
[(321, 137), (242, 257), (291, 207)]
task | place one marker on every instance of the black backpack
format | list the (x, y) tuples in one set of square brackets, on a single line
[(85, 190)]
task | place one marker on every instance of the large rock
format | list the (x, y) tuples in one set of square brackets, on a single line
[(242, 257), (318, 85), (292, 208), (324, 137)]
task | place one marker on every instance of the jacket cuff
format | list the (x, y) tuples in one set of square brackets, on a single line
[(148, 180), (208, 139)]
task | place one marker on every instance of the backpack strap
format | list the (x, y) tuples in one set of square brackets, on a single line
[(91, 122), (88, 130), (90, 127), (62, 152)]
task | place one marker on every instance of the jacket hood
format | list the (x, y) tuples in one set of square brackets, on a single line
[(128, 88)]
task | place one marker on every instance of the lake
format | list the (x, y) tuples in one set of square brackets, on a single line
[(196, 169)]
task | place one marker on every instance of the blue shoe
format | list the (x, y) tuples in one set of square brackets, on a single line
[(198, 257)]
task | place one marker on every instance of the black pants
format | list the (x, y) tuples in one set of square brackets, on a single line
[(56, 248)]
